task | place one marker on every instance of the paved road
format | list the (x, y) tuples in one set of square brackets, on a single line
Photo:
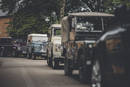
[(21, 72)]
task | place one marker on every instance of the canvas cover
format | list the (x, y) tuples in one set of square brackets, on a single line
[(65, 29), (88, 14)]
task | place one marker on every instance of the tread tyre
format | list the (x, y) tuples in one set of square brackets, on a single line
[(28, 56), (55, 64), (34, 57), (49, 62), (67, 68), (82, 75)]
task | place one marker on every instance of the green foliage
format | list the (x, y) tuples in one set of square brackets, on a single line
[(29, 16), (8, 5), (22, 25), (108, 6), (111, 5)]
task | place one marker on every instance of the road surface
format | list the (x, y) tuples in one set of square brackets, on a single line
[(22, 72)]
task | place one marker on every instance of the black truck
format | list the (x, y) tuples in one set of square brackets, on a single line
[(110, 66), (7, 48)]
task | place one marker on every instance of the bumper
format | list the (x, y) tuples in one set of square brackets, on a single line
[(40, 54), (61, 59)]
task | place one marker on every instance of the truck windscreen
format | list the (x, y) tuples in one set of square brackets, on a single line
[(89, 24), (57, 32)]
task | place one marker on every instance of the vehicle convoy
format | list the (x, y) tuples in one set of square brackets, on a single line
[(79, 34), (54, 51), (112, 59), (36, 45), (7, 47)]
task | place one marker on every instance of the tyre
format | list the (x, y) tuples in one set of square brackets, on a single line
[(49, 59), (55, 64), (67, 69), (96, 74), (45, 58), (13, 53), (49, 62), (82, 75), (34, 57), (29, 56)]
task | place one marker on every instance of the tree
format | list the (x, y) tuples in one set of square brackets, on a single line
[(76, 6), (111, 5), (62, 10), (28, 16)]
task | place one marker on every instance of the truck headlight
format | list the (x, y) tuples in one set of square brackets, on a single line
[(90, 45)]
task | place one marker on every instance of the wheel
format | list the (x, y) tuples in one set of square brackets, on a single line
[(25, 55), (55, 64), (82, 75), (67, 69), (45, 58), (34, 57), (29, 56), (96, 74), (13, 53), (49, 61)]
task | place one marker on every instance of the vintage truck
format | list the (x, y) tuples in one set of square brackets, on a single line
[(79, 34), (7, 48), (54, 51), (37, 45)]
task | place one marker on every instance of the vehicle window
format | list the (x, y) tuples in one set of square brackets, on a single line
[(57, 32), (89, 23), (113, 45), (37, 45)]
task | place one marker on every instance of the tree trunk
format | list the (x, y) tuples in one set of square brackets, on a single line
[(62, 10)]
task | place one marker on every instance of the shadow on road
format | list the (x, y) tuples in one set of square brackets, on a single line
[(74, 76)]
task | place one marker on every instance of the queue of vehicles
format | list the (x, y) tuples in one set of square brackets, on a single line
[(82, 42)]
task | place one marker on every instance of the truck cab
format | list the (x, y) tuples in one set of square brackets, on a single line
[(54, 46), (37, 45), (79, 34)]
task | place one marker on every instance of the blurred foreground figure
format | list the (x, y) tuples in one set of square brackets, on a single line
[(111, 64)]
